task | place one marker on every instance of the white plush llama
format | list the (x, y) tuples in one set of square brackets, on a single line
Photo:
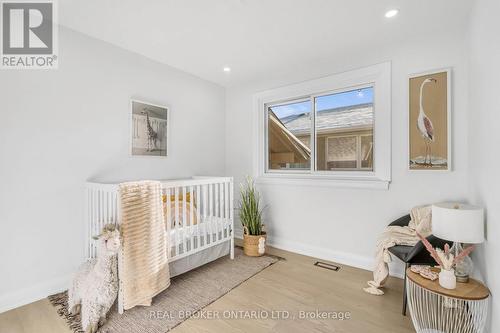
[(95, 285)]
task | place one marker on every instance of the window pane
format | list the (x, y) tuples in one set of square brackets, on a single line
[(344, 130), (289, 136)]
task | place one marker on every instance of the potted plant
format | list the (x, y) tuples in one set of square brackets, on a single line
[(447, 261), (254, 237)]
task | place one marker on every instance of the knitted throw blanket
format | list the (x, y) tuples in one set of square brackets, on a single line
[(395, 235), (144, 269)]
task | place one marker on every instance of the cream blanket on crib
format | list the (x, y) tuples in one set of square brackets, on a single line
[(396, 235), (144, 269)]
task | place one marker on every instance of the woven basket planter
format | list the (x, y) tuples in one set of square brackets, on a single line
[(253, 246)]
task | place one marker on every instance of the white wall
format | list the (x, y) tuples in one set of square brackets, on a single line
[(343, 224), (59, 128), (484, 119)]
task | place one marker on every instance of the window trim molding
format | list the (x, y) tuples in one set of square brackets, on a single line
[(379, 76)]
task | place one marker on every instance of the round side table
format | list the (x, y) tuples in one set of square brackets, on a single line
[(435, 309)]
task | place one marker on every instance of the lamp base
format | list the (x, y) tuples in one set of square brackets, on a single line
[(464, 267)]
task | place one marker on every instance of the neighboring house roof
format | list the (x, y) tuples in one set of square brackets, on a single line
[(286, 138), (356, 116)]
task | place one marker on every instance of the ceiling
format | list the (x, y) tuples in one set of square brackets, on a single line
[(256, 38)]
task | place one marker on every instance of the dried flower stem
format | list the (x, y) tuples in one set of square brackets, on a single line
[(431, 250)]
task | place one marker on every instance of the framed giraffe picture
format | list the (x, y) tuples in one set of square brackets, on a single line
[(149, 129), (429, 120)]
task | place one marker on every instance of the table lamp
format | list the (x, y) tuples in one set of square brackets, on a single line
[(460, 223)]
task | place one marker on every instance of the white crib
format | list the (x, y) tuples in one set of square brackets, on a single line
[(199, 226)]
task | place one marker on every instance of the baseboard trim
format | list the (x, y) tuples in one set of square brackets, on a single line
[(344, 258), (339, 257), (33, 293), (38, 291)]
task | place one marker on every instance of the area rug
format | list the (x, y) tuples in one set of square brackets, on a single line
[(187, 294)]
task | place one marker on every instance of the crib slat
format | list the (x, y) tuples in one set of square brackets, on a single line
[(97, 218), (231, 217), (184, 219), (110, 207), (176, 219), (104, 203), (101, 210), (217, 203), (117, 208), (214, 213), (94, 222), (211, 199), (223, 214), (221, 205), (221, 211), (191, 216), (226, 208), (214, 216), (205, 213), (115, 205), (106, 206), (91, 221), (217, 214), (88, 223), (169, 220), (88, 211), (198, 209)]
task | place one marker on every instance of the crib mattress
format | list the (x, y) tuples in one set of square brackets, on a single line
[(210, 226)]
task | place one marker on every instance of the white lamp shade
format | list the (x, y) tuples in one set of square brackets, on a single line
[(458, 222)]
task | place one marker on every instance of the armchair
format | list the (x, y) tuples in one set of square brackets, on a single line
[(414, 255)]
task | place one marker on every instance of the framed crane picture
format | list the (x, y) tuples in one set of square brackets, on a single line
[(429, 121), (149, 129)]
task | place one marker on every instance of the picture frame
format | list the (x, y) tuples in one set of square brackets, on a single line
[(149, 129), (429, 132)]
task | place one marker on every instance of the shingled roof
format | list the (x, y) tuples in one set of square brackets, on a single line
[(356, 116)]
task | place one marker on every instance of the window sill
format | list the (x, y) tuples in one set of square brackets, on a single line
[(360, 182)]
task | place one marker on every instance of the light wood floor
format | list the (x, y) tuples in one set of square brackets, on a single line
[(291, 285)]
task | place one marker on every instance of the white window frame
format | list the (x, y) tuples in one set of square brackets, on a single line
[(378, 76)]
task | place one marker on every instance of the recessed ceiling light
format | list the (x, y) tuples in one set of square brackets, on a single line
[(391, 13), (227, 69)]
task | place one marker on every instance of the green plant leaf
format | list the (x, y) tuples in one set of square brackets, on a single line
[(250, 208)]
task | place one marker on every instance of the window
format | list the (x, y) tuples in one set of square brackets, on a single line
[(333, 128), (342, 135)]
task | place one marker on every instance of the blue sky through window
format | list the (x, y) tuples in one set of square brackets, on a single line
[(347, 98)]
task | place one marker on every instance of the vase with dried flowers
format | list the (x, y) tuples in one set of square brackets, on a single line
[(447, 261)]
